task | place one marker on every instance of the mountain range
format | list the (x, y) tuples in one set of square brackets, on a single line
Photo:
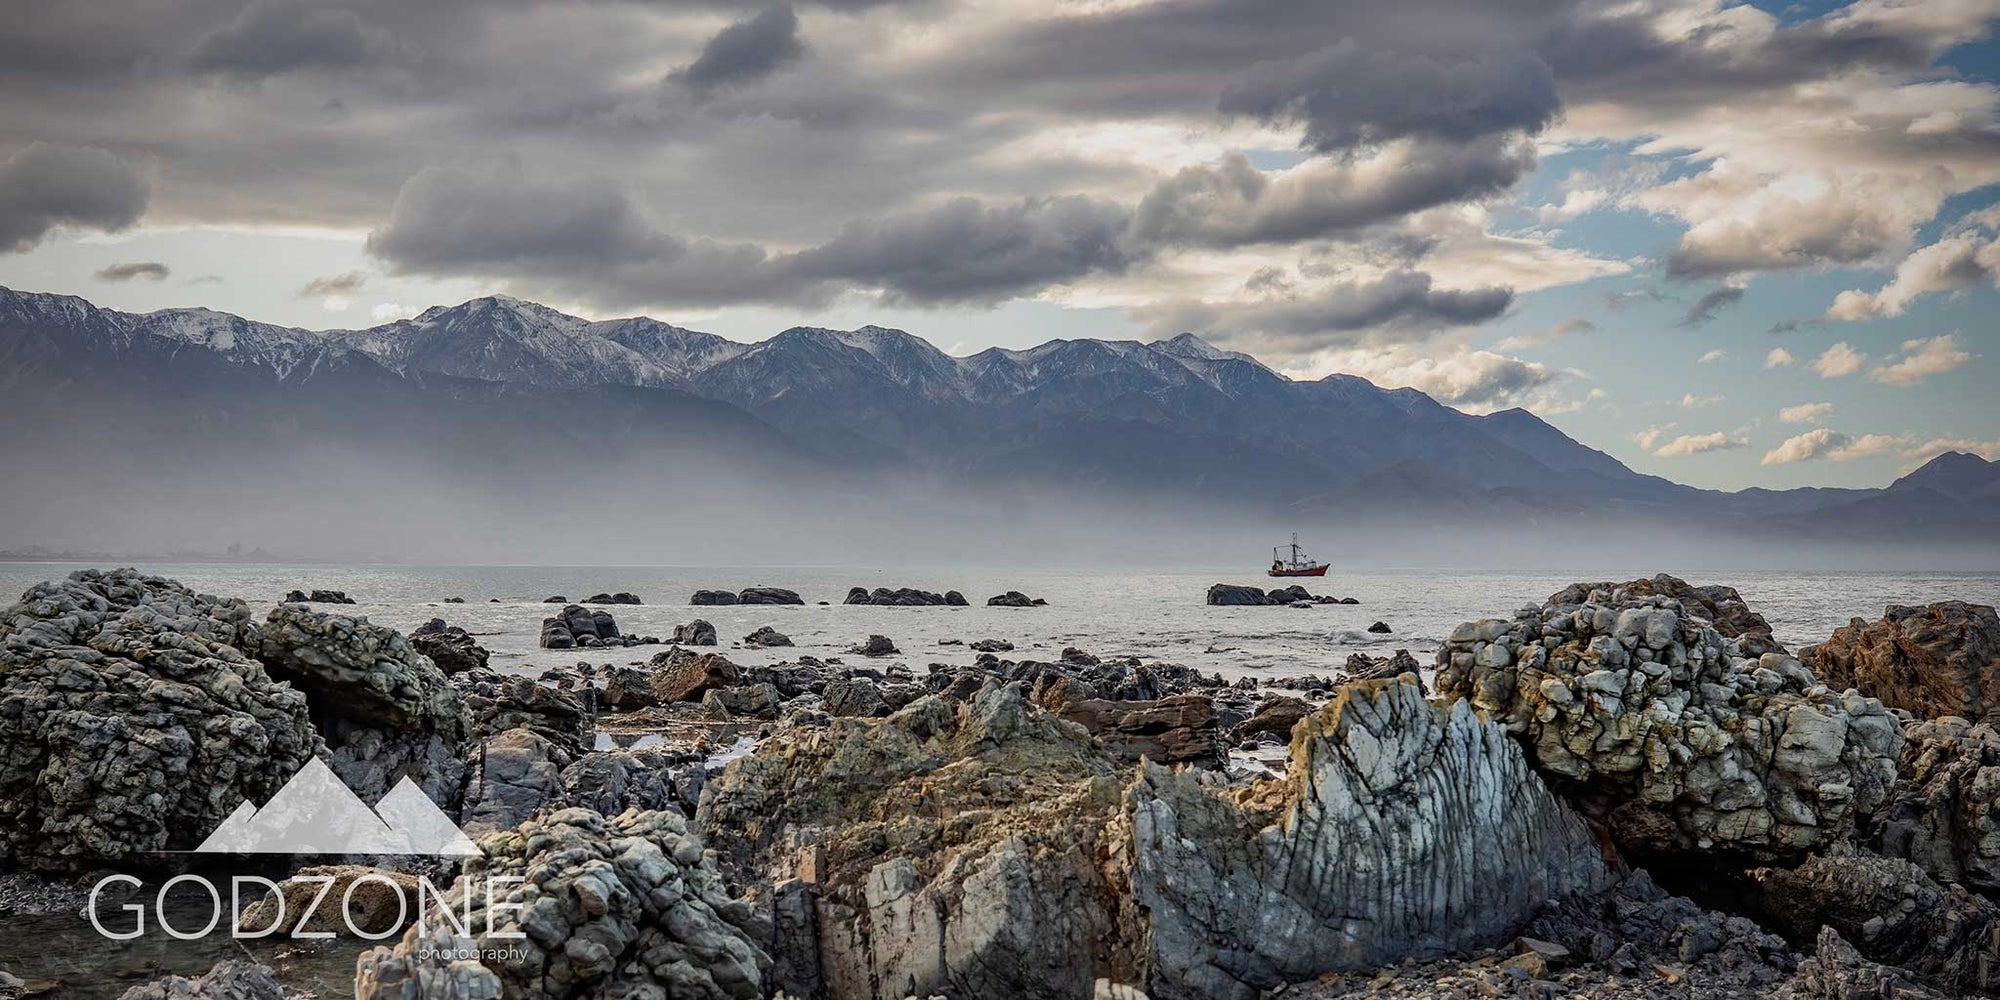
[(867, 416)]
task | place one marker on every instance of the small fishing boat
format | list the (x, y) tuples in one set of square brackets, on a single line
[(1290, 560)]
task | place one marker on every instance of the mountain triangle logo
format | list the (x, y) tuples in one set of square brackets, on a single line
[(316, 813)]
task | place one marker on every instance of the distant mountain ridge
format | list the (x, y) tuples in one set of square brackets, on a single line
[(1171, 418)]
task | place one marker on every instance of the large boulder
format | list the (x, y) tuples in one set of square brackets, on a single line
[(452, 648), (1233, 594), (495, 703), (1183, 729), (768, 595), (1013, 599), (1716, 604), (1937, 660), (1650, 720), (1945, 811), (1275, 716), (515, 774), (132, 722), (1055, 867), (624, 906), (386, 711), (682, 675), (710, 598), (695, 633)]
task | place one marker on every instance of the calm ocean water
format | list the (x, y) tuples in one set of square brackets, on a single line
[(1158, 615)]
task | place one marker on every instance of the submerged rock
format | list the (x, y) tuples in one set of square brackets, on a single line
[(903, 597), (1650, 721), (1014, 599), (708, 598), (1937, 660), (318, 597), (133, 721), (621, 597), (625, 906), (768, 595), (695, 633)]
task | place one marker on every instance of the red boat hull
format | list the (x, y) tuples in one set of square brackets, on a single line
[(1315, 571)]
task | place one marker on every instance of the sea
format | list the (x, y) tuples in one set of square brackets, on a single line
[(1152, 614)]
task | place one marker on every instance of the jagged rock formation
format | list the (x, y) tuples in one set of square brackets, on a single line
[(1720, 606), (448, 646), (1014, 599), (1837, 971), (695, 633), (1362, 667), (1648, 719), (904, 597), (1053, 869), (766, 637), (495, 703), (853, 696), (1385, 790), (228, 980), (624, 906), (1891, 912), (132, 721), (1944, 813), (680, 675), (385, 710), (1183, 729), (1937, 660)]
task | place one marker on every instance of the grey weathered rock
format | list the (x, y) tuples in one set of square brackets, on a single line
[(612, 781), (856, 696), (514, 774), (902, 597), (1718, 605), (1055, 869), (1837, 971), (768, 595), (1386, 790), (1014, 599), (228, 980), (624, 907), (495, 703), (1183, 729), (317, 597), (386, 711), (1232, 594), (1938, 660), (754, 701), (450, 647), (877, 645), (695, 633), (991, 646), (628, 689), (1944, 813), (1648, 719), (132, 722), (621, 597), (1276, 714), (766, 637), (1892, 913), (708, 598)]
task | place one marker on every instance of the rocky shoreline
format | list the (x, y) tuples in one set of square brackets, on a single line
[(1628, 790)]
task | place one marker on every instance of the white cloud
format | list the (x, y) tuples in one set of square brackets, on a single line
[(1695, 444), (1474, 381), (1825, 443), (1839, 361), (1806, 413), (1959, 261), (1712, 357), (1988, 450), (389, 311), (1923, 358), (1779, 358), (1691, 401), (1538, 338), (1651, 436)]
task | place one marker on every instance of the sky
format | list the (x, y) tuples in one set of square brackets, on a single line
[(1729, 244)]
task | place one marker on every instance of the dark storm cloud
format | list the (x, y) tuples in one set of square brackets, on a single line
[(1705, 308), (746, 50), (966, 251), (338, 284), (1234, 204), (1398, 301), (280, 36), (45, 186), (151, 270), (1347, 95)]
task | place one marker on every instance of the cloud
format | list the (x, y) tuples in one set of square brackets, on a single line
[(1823, 443), (1921, 453), (1923, 358), (281, 36), (1806, 413), (1650, 436), (1401, 300), (1957, 262), (1695, 444), (1713, 357), (338, 284), (386, 312), (1348, 95), (151, 270), (1549, 335), (1690, 401), (745, 51), (1232, 203), (1476, 381), (45, 186), (1779, 358), (1705, 308), (1839, 361)]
